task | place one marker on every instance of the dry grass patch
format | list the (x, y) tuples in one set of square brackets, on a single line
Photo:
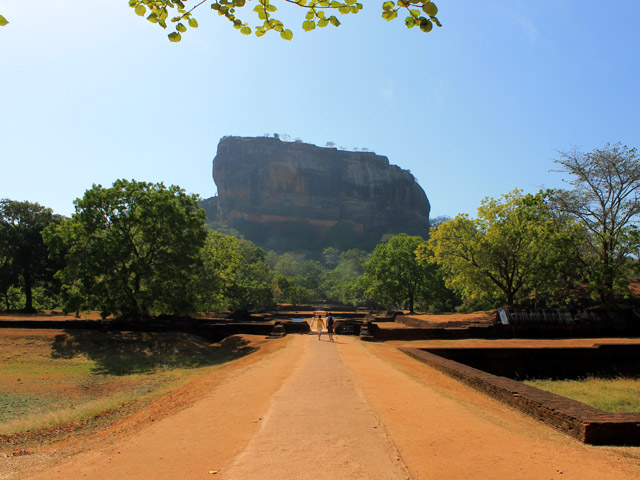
[(50, 378)]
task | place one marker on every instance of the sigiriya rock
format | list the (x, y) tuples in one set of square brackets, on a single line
[(287, 196)]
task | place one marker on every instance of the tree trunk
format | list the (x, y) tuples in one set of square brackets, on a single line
[(28, 290)]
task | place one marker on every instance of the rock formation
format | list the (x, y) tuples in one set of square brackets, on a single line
[(294, 196)]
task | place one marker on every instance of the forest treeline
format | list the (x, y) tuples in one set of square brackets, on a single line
[(137, 249)]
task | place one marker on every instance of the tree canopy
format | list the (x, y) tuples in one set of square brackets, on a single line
[(515, 248), (606, 199), (24, 258), (131, 249), (395, 276), (318, 13), (234, 275)]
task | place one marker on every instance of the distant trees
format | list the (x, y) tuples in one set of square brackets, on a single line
[(131, 250), (24, 258), (138, 249), (606, 199)]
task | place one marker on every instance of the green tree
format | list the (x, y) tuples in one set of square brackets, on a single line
[(516, 248), (394, 274), (131, 250), (235, 275), (606, 199), (318, 13), (24, 258), (336, 283)]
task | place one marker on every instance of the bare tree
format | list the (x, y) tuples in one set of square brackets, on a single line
[(606, 199), (331, 144)]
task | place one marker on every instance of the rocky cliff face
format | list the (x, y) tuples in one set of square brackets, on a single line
[(295, 196)]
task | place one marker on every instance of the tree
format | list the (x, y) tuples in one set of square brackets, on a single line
[(393, 273), (337, 281), (606, 199), (516, 248), (435, 222), (131, 250), (24, 259), (234, 275)]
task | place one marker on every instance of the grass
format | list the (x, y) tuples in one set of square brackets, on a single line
[(615, 395), (48, 378)]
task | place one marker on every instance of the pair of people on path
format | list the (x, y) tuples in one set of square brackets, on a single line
[(327, 323)]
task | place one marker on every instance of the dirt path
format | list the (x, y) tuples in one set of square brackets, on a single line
[(346, 410), (319, 426)]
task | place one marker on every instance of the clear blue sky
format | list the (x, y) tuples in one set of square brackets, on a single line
[(91, 93)]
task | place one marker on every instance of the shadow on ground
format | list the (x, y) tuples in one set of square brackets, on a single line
[(124, 353)]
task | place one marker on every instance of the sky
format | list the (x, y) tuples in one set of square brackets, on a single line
[(90, 93)]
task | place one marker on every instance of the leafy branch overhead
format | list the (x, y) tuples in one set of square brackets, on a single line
[(319, 13)]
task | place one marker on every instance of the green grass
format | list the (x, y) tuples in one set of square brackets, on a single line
[(615, 395), (52, 379)]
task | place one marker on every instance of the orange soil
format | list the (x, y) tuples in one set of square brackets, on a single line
[(267, 416)]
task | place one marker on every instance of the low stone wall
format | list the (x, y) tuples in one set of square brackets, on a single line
[(211, 330), (499, 331), (587, 424)]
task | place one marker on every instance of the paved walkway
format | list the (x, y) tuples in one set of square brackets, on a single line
[(319, 426)]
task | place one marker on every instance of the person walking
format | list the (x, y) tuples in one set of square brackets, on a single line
[(330, 321), (319, 324)]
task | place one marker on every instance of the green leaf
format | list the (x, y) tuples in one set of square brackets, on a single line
[(426, 25), (260, 32), (344, 10), (175, 37), (334, 21), (181, 28), (388, 16), (286, 34), (193, 23), (323, 22), (386, 6), (307, 26), (245, 30), (410, 22), (153, 18), (140, 10), (3, 21), (430, 9)]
